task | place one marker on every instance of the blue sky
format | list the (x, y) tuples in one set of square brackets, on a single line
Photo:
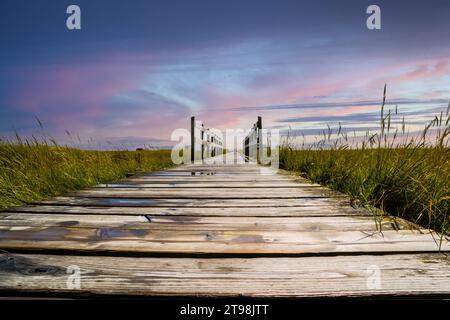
[(139, 69)]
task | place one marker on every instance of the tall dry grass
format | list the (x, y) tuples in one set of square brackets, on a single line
[(389, 170), (34, 169)]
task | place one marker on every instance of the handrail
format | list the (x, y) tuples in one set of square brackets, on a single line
[(253, 142), (212, 141)]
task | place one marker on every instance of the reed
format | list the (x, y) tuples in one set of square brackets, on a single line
[(34, 169), (389, 171)]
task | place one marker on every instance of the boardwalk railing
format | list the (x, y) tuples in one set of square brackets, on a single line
[(211, 144), (253, 146)]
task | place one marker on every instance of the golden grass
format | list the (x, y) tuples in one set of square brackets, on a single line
[(31, 171), (409, 179)]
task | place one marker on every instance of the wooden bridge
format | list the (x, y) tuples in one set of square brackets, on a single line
[(233, 229)]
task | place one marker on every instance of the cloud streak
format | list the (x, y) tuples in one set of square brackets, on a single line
[(369, 117), (326, 105)]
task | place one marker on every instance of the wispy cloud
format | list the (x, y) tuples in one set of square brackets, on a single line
[(368, 117), (326, 105)]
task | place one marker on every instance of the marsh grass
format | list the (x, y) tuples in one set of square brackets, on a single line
[(34, 169), (389, 170)]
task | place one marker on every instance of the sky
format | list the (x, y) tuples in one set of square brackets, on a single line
[(139, 69)]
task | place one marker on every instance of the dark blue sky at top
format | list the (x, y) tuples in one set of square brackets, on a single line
[(204, 38), (171, 25)]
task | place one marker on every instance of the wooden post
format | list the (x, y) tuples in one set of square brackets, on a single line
[(192, 139), (253, 143), (246, 149), (208, 145), (259, 140), (202, 136), (224, 143)]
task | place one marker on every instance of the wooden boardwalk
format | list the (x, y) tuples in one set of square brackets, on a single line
[(215, 230)]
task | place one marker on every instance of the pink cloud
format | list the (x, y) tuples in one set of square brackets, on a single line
[(64, 96), (60, 85), (413, 71)]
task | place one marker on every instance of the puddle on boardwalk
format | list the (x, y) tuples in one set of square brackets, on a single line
[(182, 173), (202, 173)]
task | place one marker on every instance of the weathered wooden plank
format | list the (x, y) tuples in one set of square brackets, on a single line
[(189, 166), (228, 178), (207, 193), (312, 210), (400, 275), (72, 220), (232, 178), (218, 168), (217, 175), (210, 170), (170, 223), (145, 240), (220, 185), (158, 202)]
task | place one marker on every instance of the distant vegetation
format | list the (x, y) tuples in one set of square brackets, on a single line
[(33, 170), (406, 177)]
